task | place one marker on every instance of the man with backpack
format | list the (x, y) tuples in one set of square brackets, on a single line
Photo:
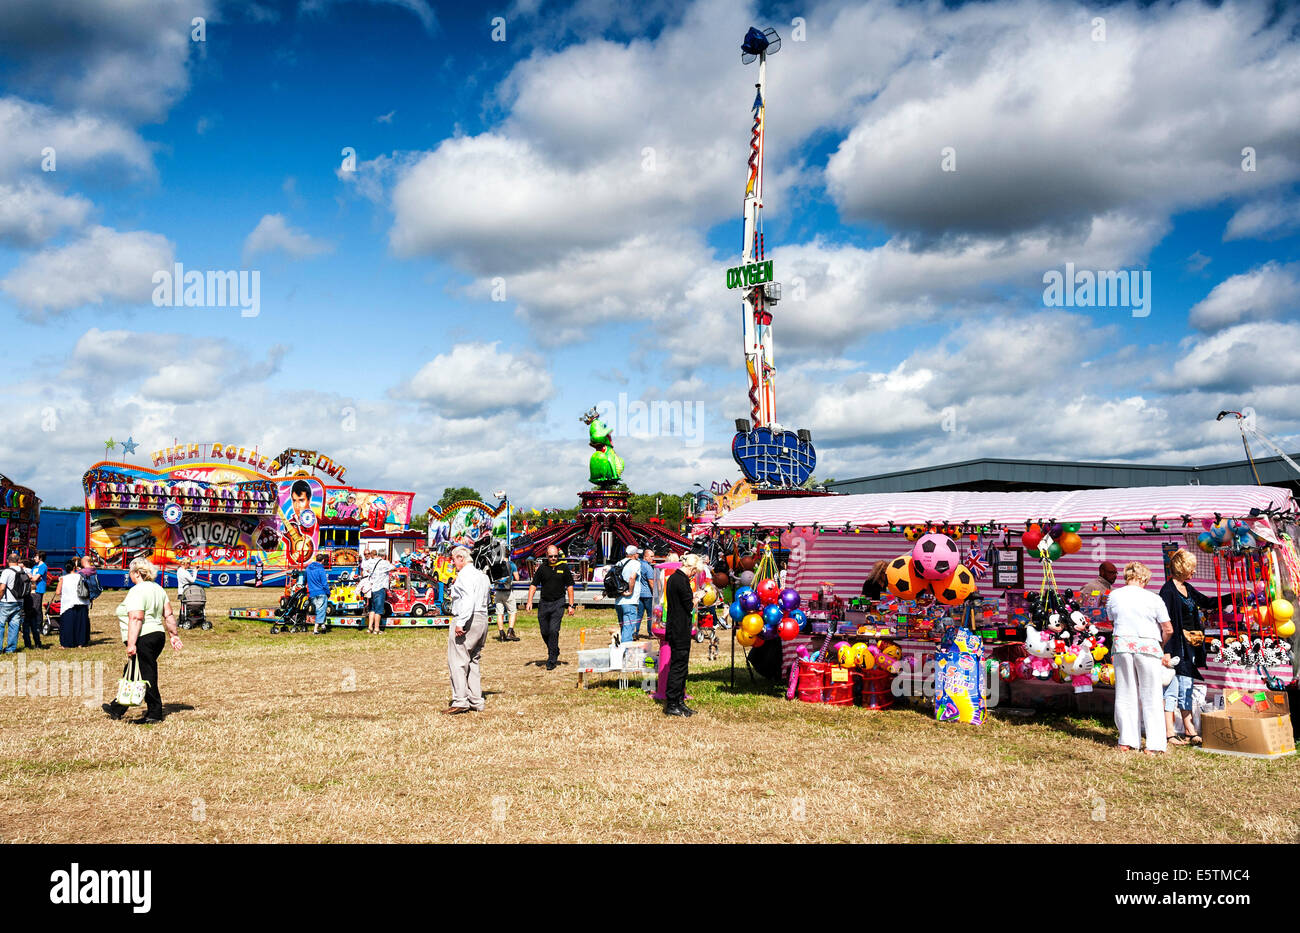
[(14, 584), (623, 583)]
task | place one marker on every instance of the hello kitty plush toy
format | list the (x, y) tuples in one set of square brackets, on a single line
[(1078, 665), (1042, 652)]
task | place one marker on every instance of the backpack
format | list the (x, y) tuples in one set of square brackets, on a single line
[(91, 583), (21, 586), (615, 586), (83, 588)]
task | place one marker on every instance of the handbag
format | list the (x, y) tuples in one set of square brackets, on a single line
[(130, 688)]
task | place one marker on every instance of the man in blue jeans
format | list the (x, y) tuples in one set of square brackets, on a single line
[(318, 591), (629, 606), (647, 581), (11, 607)]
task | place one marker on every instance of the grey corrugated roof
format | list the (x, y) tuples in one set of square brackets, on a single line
[(991, 473)]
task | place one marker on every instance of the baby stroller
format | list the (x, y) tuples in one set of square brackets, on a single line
[(707, 625), (194, 599), (295, 610)]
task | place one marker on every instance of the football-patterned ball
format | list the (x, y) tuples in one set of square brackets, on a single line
[(935, 557), (956, 589)]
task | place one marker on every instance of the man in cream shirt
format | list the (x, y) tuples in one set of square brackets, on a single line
[(469, 628)]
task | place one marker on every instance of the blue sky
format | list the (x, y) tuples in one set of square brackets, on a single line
[(524, 163)]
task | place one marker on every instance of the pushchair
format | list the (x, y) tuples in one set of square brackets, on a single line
[(194, 599), (707, 626), (295, 612)]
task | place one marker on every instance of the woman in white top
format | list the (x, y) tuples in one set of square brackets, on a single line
[(74, 612), (1141, 628)]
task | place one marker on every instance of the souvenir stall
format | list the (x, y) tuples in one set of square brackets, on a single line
[(1019, 570)]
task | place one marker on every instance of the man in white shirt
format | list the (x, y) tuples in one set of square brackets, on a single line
[(375, 572), (469, 628), (629, 606), (11, 607)]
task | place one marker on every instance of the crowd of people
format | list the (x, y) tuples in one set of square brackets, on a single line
[(24, 585)]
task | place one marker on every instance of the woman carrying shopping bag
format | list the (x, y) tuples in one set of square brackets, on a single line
[(144, 617)]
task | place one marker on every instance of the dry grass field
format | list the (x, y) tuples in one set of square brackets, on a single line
[(295, 738)]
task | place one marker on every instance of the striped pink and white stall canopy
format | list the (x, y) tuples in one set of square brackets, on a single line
[(1135, 504)]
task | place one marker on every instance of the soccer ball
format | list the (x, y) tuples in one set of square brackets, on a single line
[(935, 557), (957, 589), (900, 579)]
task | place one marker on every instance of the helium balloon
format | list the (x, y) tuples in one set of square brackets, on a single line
[(788, 629), (1205, 541), (709, 596), (720, 579), (844, 653), (772, 615), (769, 591), (1282, 610), (1030, 539), (789, 599), (802, 618), (956, 589), (749, 601), (900, 579), (1056, 530), (752, 624), (736, 611), (748, 562), (1070, 542), (747, 577), (935, 557), (1054, 552), (747, 639), (1286, 629)]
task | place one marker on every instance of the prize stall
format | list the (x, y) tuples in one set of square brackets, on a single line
[(1009, 579), (20, 518)]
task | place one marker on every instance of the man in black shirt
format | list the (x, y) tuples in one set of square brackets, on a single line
[(556, 583), (680, 605)]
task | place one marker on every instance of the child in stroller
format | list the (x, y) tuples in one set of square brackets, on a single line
[(707, 625), (194, 599), (295, 611)]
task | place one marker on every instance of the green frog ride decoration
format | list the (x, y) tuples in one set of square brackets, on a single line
[(605, 466)]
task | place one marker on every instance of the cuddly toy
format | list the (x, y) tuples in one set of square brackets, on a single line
[(1078, 664), (1041, 653)]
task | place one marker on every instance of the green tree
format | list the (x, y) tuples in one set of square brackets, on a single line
[(420, 522), (455, 494)]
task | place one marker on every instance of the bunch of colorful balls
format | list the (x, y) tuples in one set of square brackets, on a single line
[(765, 611), (1224, 533), (880, 655), (1052, 542), (934, 566)]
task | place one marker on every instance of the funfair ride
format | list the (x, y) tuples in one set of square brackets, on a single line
[(768, 455)]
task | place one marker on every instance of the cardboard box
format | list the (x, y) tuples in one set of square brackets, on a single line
[(1249, 734), (1257, 702)]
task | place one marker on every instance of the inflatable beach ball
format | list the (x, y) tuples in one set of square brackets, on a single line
[(935, 557)]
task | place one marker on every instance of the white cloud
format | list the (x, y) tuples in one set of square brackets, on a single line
[(31, 213), (102, 266), (273, 233), (80, 141), (1051, 128), (1266, 292), (1238, 358), (127, 58), (479, 380), (1263, 220)]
